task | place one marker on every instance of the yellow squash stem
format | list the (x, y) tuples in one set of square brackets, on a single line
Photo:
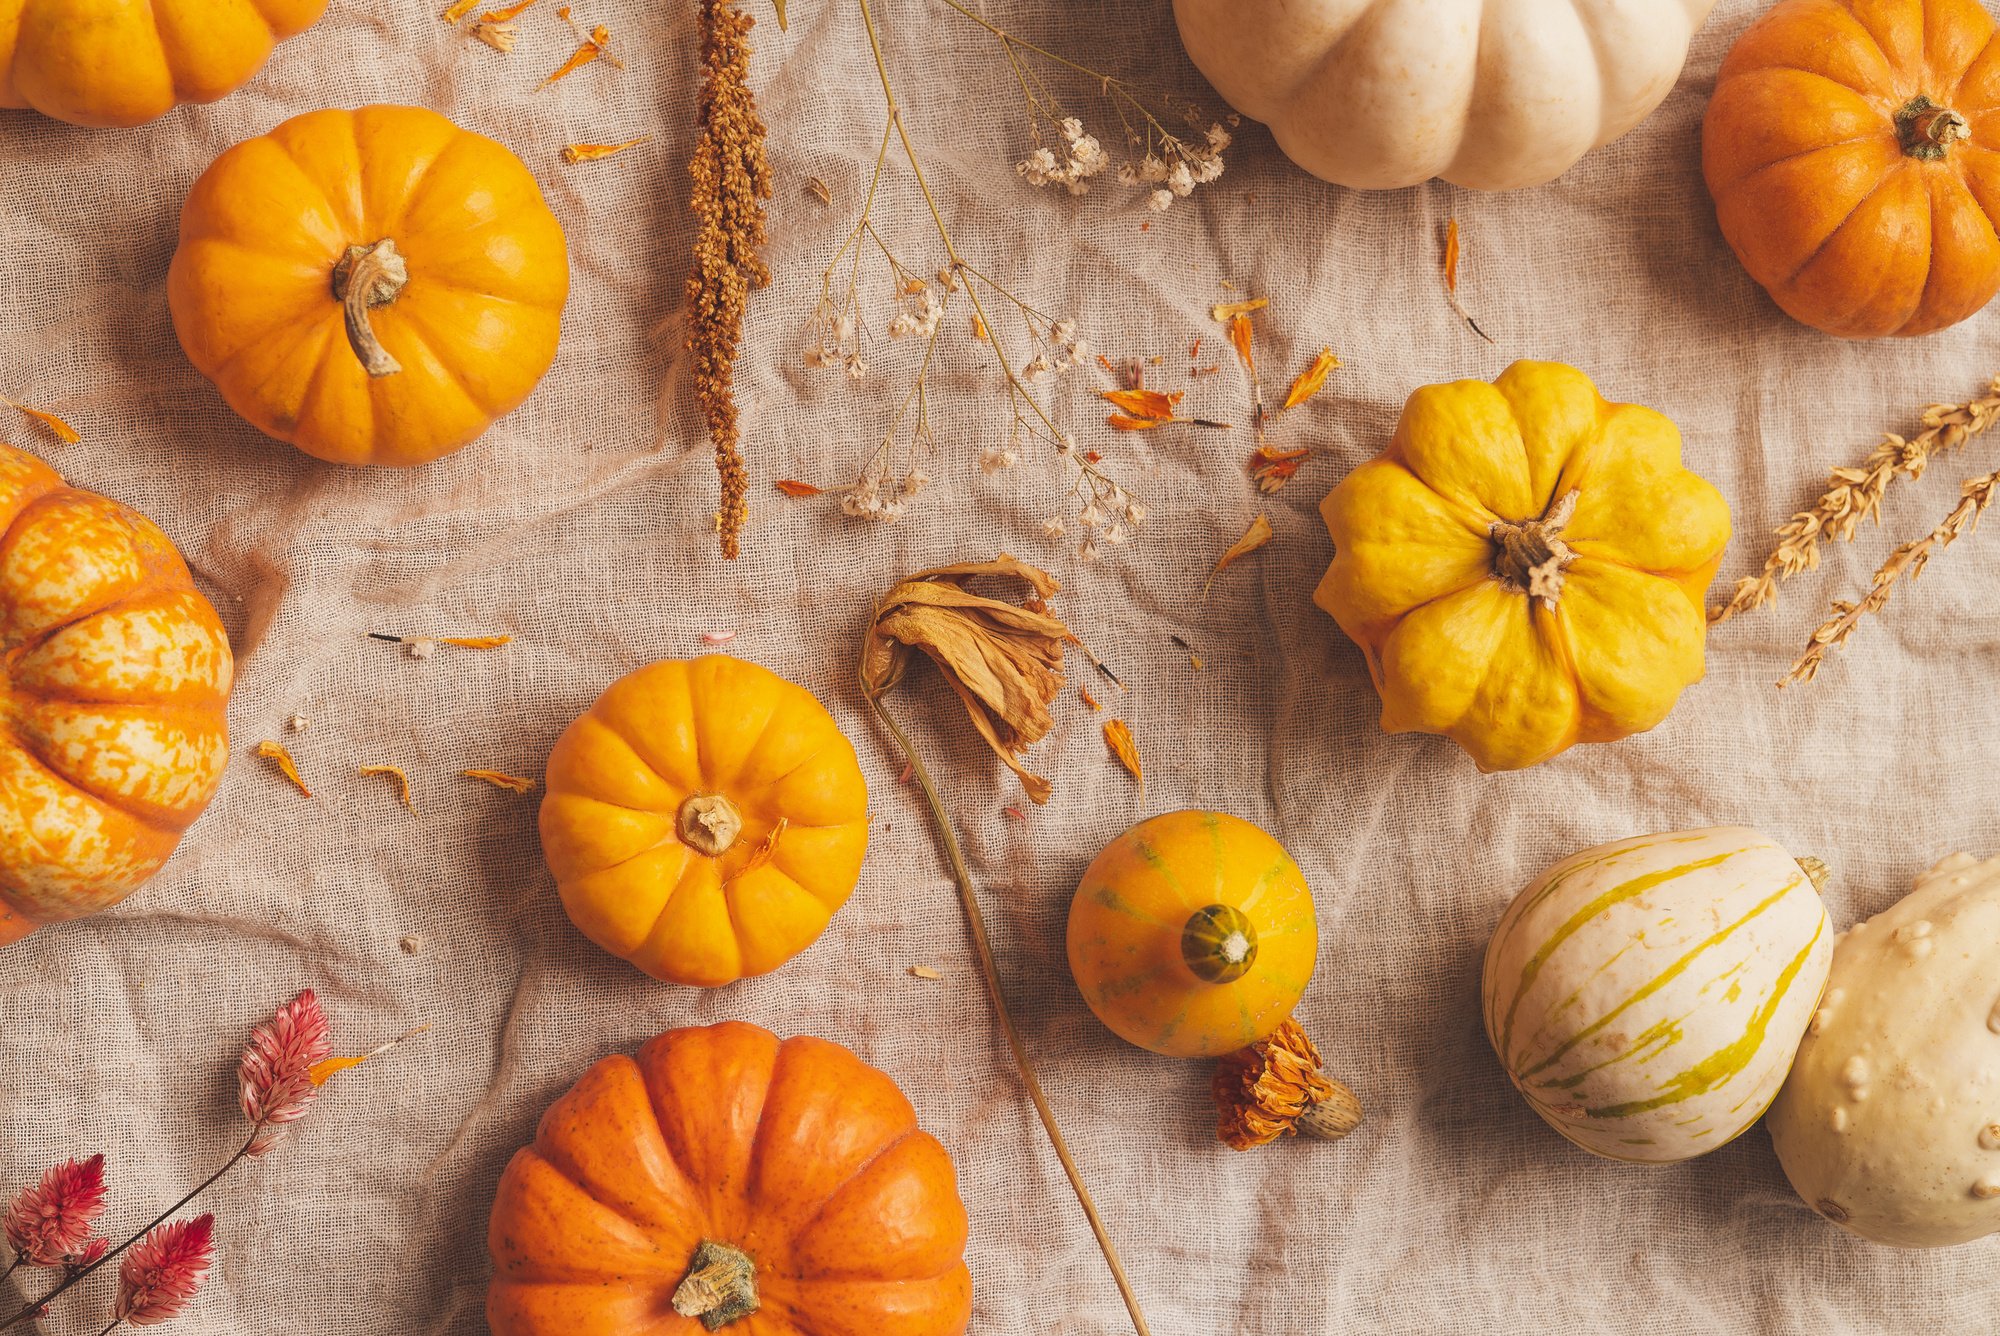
[(983, 947)]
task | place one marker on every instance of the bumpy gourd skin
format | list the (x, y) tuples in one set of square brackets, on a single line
[(716, 727), (114, 683), (253, 297), (796, 1153), (126, 62), (1454, 647)]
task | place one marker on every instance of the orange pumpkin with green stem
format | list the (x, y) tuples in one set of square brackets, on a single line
[(114, 690), (1193, 934), (1853, 150), (373, 286), (725, 1181)]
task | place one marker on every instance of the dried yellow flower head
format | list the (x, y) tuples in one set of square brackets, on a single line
[(1275, 1088)]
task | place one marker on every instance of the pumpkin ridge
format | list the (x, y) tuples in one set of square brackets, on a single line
[(420, 332), (1744, 178), (1667, 975), (1836, 230), (842, 1186), (151, 573), (752, 1190), (119, 803)]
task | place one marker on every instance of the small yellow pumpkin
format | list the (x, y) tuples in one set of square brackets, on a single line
[(704, 820), (114, 685), (1523, 567), (1193, 934), (373, 286), (123, 62)]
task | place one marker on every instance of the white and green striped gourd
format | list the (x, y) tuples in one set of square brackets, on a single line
[(1647, 996)]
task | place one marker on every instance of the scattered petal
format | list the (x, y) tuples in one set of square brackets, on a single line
[(1255, 537), (500, 780), (459, 9), (1451, 255), (576, 153), (1118, 737), (509, 12), (1224, 312), (1143, 403), (327, 1068), (596, 45), (278, 756), (476, 642), (792, 487), (1015, 813), (402, 779), (1084, 691), (60, 429), (499, 36), (1273, 468), (1240, 335), (717, 637), (1311, 379), (924, 972)]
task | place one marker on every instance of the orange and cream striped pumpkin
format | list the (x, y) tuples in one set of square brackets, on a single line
[(115, 686), (1647, 996)]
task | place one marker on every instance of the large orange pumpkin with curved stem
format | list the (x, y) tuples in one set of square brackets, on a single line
[(373, 286), (1853, 150), (1193, 934), (704, 819), (114, 684), (726, 1181), (124, 62)]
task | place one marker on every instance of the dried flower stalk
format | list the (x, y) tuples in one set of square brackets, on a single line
[(1854, 494), (1975, 495), (732, 179), (884, 660)]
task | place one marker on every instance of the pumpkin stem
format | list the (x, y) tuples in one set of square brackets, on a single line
[(1815, 869), (1927, 131), (1530, 556), (1219, 943), (720, 1286), (369, 276), (709, 824)]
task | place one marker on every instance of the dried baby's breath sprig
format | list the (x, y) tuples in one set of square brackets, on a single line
[(1004, 662), (576, 153), (1975, 495), (731, 179), (1276, 1088), (1854, 494), (400, 776), (890, 476), (275, 753), (501, 780)]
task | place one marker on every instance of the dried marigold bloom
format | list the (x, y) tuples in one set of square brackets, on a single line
[(1275, 1088)]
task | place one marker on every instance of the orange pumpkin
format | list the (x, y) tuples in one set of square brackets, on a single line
[(114, 682), (704, 820), (724, 1180), (1193, 934), (1853, 150), (119, 62), (373, 286)]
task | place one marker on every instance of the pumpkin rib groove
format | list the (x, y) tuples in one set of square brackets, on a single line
[(1667, 975), (119, 803), (414, 328), (1731, 183), (825, 1205)]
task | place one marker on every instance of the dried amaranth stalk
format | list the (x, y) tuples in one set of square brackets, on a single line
[(731, 180)]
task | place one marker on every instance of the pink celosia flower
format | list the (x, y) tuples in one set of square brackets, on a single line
[(276, 1070), (49, 1224), (163, 1270)]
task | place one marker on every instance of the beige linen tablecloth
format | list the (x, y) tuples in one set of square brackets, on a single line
[(581, 526)]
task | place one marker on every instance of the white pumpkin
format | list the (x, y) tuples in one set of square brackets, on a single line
[(1646, 997), (1890, 1123), (1492, 94)]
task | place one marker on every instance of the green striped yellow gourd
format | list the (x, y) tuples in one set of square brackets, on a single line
[(1646, 997)]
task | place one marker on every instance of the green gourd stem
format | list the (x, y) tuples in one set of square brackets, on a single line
[(367, 277), (984, 949), (1219, 944)]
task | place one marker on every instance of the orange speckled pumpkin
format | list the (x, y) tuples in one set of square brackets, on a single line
[(724, 1180), (1853, 149), (704, 819), (125, 62), (1193, 934), (373, 286), (114, 682)]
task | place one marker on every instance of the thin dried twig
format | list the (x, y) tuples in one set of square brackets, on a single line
[(1975, 495), (1854, 494)]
